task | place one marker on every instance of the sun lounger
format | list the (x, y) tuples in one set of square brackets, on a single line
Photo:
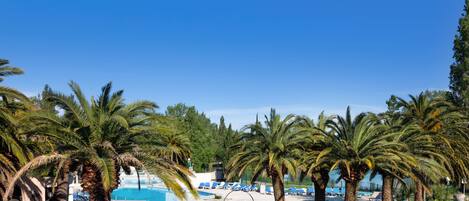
[(301, 191), (310, 191), (253, 187), (214, 185), (268, 190), (204, 185), (220, 185), (376, 196), (236, 187), (292, 191)]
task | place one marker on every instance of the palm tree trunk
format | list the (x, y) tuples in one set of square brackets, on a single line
[(319, 192), (418, 196), (91, 184), (279, 189), (351, 190), (61, 190), (116, 183), (320, 180), (138, 179), (387, 187)]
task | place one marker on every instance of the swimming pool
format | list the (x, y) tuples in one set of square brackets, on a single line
[(145, 194), (142, 194)]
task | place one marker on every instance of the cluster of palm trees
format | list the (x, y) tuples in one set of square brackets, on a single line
[(56, 135), (422, 140)]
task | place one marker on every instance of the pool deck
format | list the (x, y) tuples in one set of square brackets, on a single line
[(244, 196)]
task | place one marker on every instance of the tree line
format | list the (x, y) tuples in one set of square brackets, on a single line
[(423, 139)]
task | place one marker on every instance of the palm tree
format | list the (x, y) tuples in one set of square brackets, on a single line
[(428, 113), (315, 141), (357, 144), (5, 71), (400, 164), (168, 141), (14, 151), (165, 151), (271, 150), (98, 137)]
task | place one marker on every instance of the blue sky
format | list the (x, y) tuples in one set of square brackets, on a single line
[(235, 58)]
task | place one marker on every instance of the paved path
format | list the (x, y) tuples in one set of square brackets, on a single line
[(244, 196)]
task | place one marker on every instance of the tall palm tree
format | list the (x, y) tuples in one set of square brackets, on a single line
[(428, 113), (165, 151), (400, 164), (395, 167), (168, 141), (98, 137), (270, 150), (357, 144), (14, 151), (316, 139)]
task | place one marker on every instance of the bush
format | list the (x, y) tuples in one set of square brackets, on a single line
[(443, 192)]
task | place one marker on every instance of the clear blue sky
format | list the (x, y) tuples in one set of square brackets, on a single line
[(235, 57)]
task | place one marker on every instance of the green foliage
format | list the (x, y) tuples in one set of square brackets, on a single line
[(269, 150), (100, 137), (443, 192), (272, 149), (443, 124), (359, 145), (459, 75), (200, 132), (15, 150), (226, 139)]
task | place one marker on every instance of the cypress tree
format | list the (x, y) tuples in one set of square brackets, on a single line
[(459, 75)]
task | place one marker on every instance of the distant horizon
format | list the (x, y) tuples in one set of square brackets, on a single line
[(235, 59)]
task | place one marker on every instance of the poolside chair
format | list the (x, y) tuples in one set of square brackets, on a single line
[(230, 185), (376, 196), (292, 191), (310, 191), (221, 185), (201, 185), (301, 191), (329, 191), (207, 185), (214, 185), (236, 187), (79, 197), (269, 190), (204, 185), (335, 191), (245, 188), (253, 188)]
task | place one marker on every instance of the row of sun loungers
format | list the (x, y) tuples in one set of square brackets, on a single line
[(330, 192), (227, 185)]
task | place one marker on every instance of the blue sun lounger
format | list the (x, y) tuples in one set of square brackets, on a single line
[(310, 191)]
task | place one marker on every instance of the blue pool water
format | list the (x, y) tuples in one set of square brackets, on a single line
[(154, 194), (142, 194)]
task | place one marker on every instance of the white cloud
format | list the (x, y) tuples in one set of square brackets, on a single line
[(240, 117)]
